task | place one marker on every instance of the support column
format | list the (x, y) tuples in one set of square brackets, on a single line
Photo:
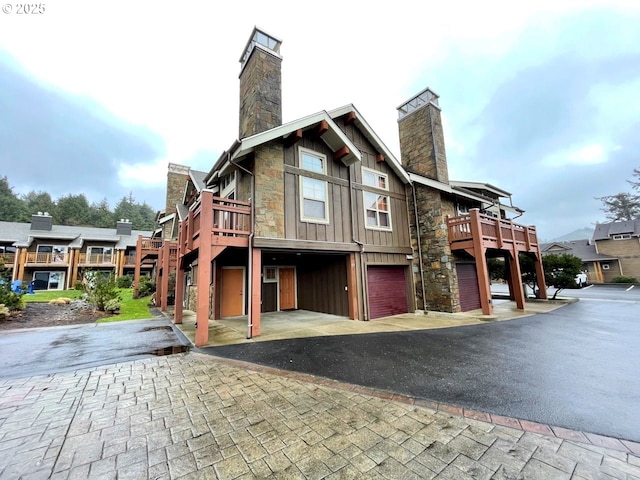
[(120, 263), (352, 286), (21, 260), (136, 271), (164, 280), (542, 284), (204, 269), (509, 275), (179, 298), (256, 291), (479, 252), (72, 268), (516, 275)]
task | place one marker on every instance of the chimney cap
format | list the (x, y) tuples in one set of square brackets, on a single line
[(263, 39), (425, 97)]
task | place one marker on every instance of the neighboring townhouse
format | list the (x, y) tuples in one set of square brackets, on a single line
[(622, 241), (597, 266), (55, 257), (318, 214)]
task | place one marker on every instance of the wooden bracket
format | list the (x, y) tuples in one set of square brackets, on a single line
[(293, 138)]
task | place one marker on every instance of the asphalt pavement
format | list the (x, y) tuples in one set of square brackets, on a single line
[(43, 351), (575, 367)]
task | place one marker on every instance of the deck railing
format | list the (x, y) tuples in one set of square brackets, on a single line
[(492, 232), (7, 259), (47, 258), (230, 222), (97, 259)]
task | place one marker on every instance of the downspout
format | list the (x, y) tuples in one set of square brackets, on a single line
[(251, 235), (415, 212), (363, 279)]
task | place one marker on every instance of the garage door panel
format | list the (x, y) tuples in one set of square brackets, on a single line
[(468, 286), (387, 291)]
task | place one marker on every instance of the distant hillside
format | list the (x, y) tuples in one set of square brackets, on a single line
[(580, 234)]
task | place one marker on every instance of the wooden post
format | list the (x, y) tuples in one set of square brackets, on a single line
[(255, 303), (204, 269), (136, 271), (542, 284), (516, 274), (179, 296), (481, 263), (164, 279), (352, 286), (121, 262)]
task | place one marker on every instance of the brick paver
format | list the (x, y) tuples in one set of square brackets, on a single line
[(193, 416)]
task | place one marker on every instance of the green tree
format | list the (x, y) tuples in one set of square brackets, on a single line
[(101, 215), (72, 210), (39, 202), (560, 270), (141, 216), (12, 208), (623, 206)]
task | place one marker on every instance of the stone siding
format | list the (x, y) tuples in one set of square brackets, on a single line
[(441, 282), (422, 143), (260, 94), (269, 201)]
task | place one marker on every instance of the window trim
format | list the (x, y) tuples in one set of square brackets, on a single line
[(621, 236), (378, 174), (388, 212), (303, 218), (606, 266), (264, 274)]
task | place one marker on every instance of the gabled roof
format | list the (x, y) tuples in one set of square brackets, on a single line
[(480, 187), (334, 137), (583, 249), (21, 235), (604, 231), (370, 135), (198, 179)]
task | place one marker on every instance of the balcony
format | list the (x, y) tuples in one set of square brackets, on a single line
[(97, 260), (475, 229), (221, 221), (47, 259), (7, 259)]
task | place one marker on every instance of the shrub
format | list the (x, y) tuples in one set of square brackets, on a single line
[(624, 279), (4, 311), (78, 286), (11, 300), (125, 281), (101, 289), (112, 305), (146, 287)]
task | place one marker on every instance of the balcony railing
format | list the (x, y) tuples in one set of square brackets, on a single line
[(47, 258), (7, 259), (229, 224), (491, 232), (97, 259)]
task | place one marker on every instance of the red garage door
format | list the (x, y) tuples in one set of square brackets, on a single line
[(387, 291), (468, 286)]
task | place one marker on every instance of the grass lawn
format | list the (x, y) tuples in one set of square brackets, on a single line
[(130, 308)]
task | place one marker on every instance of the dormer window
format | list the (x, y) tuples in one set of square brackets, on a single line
[(621, 236)]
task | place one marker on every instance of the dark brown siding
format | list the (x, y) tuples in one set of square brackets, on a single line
[(468, 285), (387, 288), (269, 297), (321, 285)]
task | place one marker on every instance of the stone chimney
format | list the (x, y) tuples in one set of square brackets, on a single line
[(42, 221), (123, 227), (422, 138), (177, 177), (260, 84)]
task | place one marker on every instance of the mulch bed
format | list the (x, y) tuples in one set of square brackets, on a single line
[(36, 315)]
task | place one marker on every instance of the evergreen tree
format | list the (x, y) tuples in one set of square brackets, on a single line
[(73, 210), (39, 202), (623, 206), (101, 216), (12, 208)]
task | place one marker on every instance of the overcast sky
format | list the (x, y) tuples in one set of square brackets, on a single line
[(538, 98)]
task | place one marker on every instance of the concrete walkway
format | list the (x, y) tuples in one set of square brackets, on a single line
[(303, 323), (194, 416)]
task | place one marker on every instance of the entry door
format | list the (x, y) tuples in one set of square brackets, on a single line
[(287, 281), (232, 301)]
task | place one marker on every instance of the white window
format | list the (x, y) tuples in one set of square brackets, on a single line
[(623, 236), (270, 275), (51, 253), (377, 211), (313, 192), (312, 161), (100, 254), (371, 178), (605, 266), (313, 200)]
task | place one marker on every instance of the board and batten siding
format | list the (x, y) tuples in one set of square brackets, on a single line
[(342, 203)]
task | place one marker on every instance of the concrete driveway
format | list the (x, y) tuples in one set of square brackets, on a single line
[(574, 367), (42, 351)]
